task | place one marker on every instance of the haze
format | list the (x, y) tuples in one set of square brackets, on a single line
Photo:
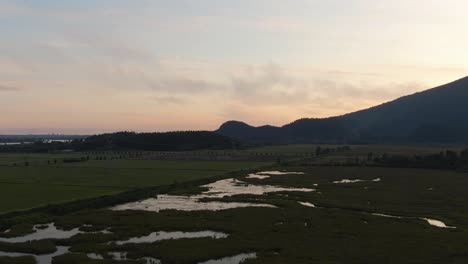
[(95, 66)]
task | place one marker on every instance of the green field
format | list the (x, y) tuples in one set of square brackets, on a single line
[(342, 228), (360, 149), (23, 187)]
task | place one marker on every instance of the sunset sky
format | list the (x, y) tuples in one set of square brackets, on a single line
[(93, 66)]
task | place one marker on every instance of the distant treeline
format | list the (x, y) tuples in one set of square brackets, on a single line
[(37, 138), (170, 141), (444, 160)]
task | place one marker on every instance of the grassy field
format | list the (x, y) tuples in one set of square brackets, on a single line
[(360, 149), (340, 230), (38, 184)]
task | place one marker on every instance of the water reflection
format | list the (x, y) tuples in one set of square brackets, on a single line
[(219, 189), (159, 236), (307, 204), (122, 256), (266, 174), (232, 260), (356, 180), (432, 222), (40, 259), (48, 231)]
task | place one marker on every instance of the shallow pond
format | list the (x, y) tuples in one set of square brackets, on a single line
[(219, 189), (231, 187), (94, 256), (159, 236), (183, 203), (356, 180), (232, 260), (267, 174), (307, 204), (49, 232), (40, 259), (432, 222), (257, 176), (122, 256)]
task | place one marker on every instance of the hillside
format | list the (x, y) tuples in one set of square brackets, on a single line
[(438, 115)]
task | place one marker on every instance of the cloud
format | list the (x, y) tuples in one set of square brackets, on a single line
[(164, 100), (181, 85), (268, 84), (5, 88)]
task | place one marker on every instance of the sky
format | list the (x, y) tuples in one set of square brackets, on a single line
[(93, 66)]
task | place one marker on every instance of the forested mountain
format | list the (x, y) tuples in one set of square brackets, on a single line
[(438, 115)]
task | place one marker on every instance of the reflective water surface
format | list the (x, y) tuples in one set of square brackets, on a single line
[(219, 189), (266, 174), (48, 231), (159, 236), (307, 204), (122, 256), (356, 180), (40, 259), (432, 222), (232, 260)]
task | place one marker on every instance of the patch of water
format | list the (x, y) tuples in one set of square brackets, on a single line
[(267, 174), (280, 173), (119, 256), (232, 260), (95, 256), (257, 176), (219, 189), (307, 204), (432, 222), (48, 231), (344, 181), (183, 203), (437, 223), (388, 216), (159, 236), (40, 259), (231, 187), (122, 256), (151, 260)]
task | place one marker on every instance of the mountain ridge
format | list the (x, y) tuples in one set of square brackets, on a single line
[(437, 115)]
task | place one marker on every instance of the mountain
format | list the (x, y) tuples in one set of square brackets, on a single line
[(438, 115)]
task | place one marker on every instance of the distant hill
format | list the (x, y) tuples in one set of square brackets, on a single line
[(170, 141), (438, 115)]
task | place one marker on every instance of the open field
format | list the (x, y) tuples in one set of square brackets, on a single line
[(38, 184), (360, 149), (341, 229), (336, 214)]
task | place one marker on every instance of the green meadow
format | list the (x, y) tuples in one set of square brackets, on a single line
[(39, 183), (378, 215)]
